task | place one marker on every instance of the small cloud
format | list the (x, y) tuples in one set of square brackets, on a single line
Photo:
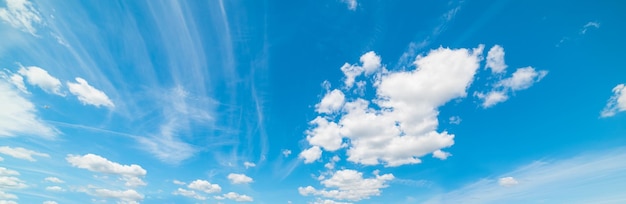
[(87, 94), (351, 4), (204, 186), (441, 155), (589, 25), (177, 182), (311, 154), (495, 59), (249, 164), (54, 180), (21, 153), (617, 102), (236, 197), (239, 179), (455, 120), (37, 76), (55, 189), (507, 181), (21, 14), (286, 152), (50, 202)]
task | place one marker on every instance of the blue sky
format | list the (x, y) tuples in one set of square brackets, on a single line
[(326, 101)]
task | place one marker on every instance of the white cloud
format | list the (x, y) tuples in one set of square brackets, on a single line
[(370, 64), (238, 197), (331, 102), (597, 177), (123, 196), (10, 182), (55, 188), (455, 120), (18, 115), (87, 94), (39, 77), (617, 102), (128, 173), (189, 193), (495, 59), (50, 202), (441, 155), (351, 4), (54, 180), (8, 172), (522, 78), (7, 202), (400, 124), (286, 152), (4, 195), (249, 164), (177, 182), (310, 155), (21, 14), (589, 25), (507, 181), (349, 185), (320, 201), (204, 186), (18, 81), (239, 179), (21, 153), (350, 72)]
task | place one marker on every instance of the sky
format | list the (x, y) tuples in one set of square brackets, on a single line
[(313, 101)]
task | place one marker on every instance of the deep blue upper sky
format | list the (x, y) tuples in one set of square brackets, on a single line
[(325, 101)]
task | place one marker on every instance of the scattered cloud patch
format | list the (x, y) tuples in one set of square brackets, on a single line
[(8, 172), (589, 25), (441, 155), (239, 179), (19, 116), (235, 196), (50, 202), (21, 153), (352, 4), (54, 180), (39, 77), (507, 181), (349, 185), (21, 14), (286, 152), (311, 154), (5, 195), (55, 189), (10, 182), (177, 182), (130, 174), (331, 102), (88, 95), (455, 120), (495, 59), (249, 164), (129, 196), (370, 63), (617, 102), (204, 186), (189, 193)]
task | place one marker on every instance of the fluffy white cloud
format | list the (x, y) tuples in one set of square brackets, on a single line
[(7, 202), (10, 182), (349, 185), (87, 94), (4, 195), (18, 81), (54, 180), (238, 197), (55, 188), (18, 115), (286, 152), (507, 181), (495, 59), (128, 173), (39, 77), (331, 102), (21, 14), (311, 154), (239, 179), (21, 153), (8, 172), (50, 202), (189, 193), (400, 124), (617, 102), (249, 164), (123, 196), (522, 78), (321, 201), (204, 186), (370, 63), (351, 4), (441, 154)]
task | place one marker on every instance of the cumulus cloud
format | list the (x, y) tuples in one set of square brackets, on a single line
[(441, 154), (21, 14), (4, 195), (21, 153), (310, 155), (89, 95), (8, 172), (11, 182), (331, 102), (130, 174), (123, 196), (204, 186), (326, 201), (349, 185), (54, 180), (177, 182), (400, 124), (522, 78), (50, 202), (236, 197), (249, 164), (7, 202), (239, 179), (19, 116), (37, 76), (617, 102), (189, 193), (370, 63), (495, 59), (17, 81)]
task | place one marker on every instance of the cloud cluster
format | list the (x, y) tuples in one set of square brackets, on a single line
[(130, 174), (200, 189), (348, 185), (21, 14), (239, 178)]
